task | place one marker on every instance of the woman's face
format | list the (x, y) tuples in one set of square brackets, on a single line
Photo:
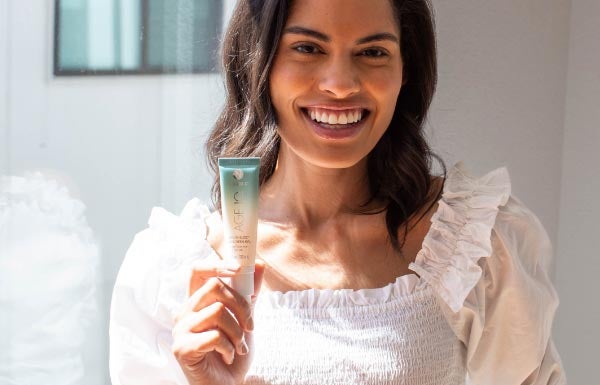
[(335, 79)]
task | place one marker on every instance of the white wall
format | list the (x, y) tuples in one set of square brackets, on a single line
[(500, 99), (4, 76), (578, 266)]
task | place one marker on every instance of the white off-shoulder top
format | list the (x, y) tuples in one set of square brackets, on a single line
[(479, 310)]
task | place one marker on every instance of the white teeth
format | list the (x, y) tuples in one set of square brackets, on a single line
[(337, 117)]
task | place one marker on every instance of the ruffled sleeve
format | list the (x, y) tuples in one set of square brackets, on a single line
[(487, 258), (150, 288)]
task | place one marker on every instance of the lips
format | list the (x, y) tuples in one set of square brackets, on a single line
[(336, 122)]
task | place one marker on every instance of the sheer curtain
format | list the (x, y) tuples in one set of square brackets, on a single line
[(83, 159)]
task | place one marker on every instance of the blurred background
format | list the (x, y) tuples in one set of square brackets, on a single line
[(105, 106)]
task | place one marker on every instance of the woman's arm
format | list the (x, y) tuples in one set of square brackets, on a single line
[(506, 320)]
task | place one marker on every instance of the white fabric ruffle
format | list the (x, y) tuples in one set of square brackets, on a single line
[(460, 233), (328, 298), (180, 241), (184, 236)]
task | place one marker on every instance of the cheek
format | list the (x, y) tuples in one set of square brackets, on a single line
[(286, 84), (388, 82), (286, 76), (387, 92)]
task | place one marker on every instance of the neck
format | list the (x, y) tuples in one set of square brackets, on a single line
[(306, 196)]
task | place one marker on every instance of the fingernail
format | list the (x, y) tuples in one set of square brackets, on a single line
[(244, 347), (250, 324)]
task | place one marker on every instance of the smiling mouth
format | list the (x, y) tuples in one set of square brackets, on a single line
[(336, 118)]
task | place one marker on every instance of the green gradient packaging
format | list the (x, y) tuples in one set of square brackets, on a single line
[(239, 208)]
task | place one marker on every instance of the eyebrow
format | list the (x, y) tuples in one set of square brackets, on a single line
[(321, 36), (308, 32), (378, 37)]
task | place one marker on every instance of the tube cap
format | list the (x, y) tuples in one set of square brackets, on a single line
[(243, 283)]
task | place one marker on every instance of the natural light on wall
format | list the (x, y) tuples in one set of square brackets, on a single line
[(104, 106)]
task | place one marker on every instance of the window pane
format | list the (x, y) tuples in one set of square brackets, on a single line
[(130, 28), (102, 40), (182, 35), (73, 34), (136, 36)]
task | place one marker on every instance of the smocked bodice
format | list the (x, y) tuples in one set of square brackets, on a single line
[(391, 335)]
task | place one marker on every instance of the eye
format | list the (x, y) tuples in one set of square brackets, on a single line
[(306, 48), (374, 52)]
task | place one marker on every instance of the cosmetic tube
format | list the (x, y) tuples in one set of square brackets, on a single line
[(239, 208)]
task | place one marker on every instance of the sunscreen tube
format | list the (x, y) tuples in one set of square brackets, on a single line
[(239, 207)]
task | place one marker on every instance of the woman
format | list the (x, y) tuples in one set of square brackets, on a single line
[(367, 273)]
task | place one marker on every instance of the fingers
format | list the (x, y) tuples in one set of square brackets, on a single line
[(191, 348), (202, 329), (216, 291), (215, 316), (205, 269)]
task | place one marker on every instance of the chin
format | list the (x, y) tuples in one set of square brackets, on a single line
[(342, 160)]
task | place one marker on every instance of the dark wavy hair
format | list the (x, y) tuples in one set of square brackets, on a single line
[(399, 165)]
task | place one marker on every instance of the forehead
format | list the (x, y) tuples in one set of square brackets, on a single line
[(347, 18)]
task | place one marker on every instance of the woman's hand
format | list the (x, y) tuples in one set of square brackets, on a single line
[(211, 335)]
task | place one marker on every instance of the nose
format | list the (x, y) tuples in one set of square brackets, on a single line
[(339, 78)]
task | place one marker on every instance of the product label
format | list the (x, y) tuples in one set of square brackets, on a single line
[(239, 201)]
